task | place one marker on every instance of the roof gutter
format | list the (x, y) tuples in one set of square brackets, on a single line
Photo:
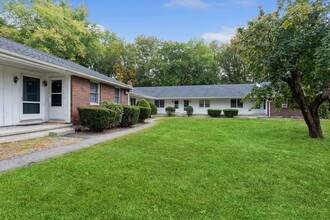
[(169, 98), (14, 57), (142, 96)]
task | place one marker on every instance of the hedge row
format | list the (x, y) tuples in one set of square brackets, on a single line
[(108, 116), (130, 116), (96, 119), (229, 113), (214, 112)]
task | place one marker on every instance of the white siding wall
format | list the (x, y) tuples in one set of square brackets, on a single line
[(1, 96), (214, 104), (11, 96)]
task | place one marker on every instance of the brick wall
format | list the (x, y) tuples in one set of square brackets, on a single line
[(123, 97), (284, 112), (107, 92), (80, 96)]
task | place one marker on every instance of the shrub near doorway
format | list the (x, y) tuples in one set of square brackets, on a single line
[(96, 119), (170, 110)]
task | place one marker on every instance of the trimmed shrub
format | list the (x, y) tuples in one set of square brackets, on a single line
[(153, 107), (119, 110), (96, 119), (144, 113), (214, 112), (130, 116), (229, 113), (170, 110), (143, 103), (324, 110), (189, 110)]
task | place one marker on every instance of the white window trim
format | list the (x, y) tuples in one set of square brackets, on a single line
[(204, 103), (118, 95), (98, 93), (159, 103), (237, 101)]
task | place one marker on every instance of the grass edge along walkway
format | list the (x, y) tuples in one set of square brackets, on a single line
[(45, 154)]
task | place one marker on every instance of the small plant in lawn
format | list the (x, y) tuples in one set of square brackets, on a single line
[(170, 110), (96, 119), (229, 113), (214, 112), (153, 108), (130, 116), (189, 110), (119, 110)]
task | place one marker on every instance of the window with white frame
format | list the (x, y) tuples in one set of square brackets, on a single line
[(117, 95), (204, 103), (160, 103), (94, 93), (236, 103), (176, 104), (207, 103)]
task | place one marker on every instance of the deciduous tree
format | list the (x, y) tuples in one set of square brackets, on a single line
[(290, 48)]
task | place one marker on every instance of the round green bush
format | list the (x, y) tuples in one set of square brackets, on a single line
[(170, 110), (96, 119), (229, 113), (144, 113), (118, 110), (214, 112), (153, 108), (130, 116), (144, 103), (189, 110)]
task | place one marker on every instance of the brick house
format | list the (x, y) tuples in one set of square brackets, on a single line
[(38, 87)]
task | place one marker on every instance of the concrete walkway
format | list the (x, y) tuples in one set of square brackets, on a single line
[(91, 139)]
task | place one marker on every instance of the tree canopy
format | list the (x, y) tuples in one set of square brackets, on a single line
[(290, 48), (56, 27)]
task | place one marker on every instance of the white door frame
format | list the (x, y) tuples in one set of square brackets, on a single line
[(57, 113), (24, 117)]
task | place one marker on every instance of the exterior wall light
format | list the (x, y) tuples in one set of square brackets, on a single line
[(16, 79), (45, 83)]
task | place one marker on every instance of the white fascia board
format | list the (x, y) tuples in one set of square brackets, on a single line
[(14, 57), (141, 96), (170, 98)]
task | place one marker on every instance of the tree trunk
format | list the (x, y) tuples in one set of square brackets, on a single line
[(310, 112), (312, 121)]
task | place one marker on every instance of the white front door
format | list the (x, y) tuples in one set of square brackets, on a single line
[(31, 105), (57, 106)]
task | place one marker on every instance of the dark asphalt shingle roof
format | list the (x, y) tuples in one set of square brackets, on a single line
[(198, 91), (20, 49)]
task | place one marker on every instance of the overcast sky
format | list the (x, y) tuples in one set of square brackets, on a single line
[(177, 20)]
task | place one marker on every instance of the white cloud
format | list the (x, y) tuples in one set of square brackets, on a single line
[(223, 36), (193, 4)]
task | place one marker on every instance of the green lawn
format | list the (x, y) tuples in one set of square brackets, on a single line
[(184, 168)]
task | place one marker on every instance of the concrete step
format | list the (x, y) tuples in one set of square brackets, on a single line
[(62, 131), (23, 129), (36, 132)]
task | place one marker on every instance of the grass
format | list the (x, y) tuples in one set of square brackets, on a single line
[(184, 168)]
